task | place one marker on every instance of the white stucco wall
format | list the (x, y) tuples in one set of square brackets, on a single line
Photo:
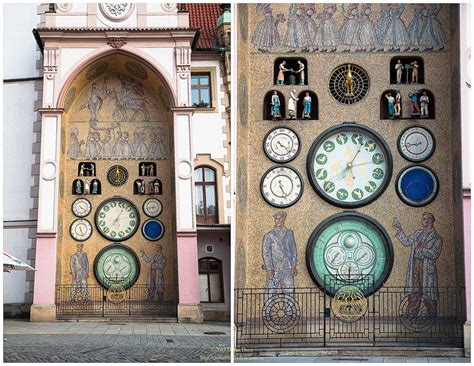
[(18, 118), (18, 23)]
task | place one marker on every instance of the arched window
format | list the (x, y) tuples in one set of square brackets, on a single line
[(210, 280), (206, 195)]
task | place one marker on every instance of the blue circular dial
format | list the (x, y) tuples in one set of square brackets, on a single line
[(417, 185), (153, 230)]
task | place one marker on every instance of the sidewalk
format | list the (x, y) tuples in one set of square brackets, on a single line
[(115, 342), (346, 359)]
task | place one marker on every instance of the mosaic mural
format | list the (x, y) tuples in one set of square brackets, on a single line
[(349, 28)]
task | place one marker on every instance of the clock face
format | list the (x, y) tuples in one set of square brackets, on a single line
[(117, 175), (153, 229), (349, 165), (117, 219), (152, 207), (116, 264), (81, 207), (417, 185), (349, 249), (81, 230), (281, 144), (416, 144), (281, 186)]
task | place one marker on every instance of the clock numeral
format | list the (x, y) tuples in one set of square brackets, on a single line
[(121, 234), (357, 194), (370, 146), (128, 208), (321, 174), (106, 230), (132, 215), (132, 223), (113, 234), (106, 208), (378, 159), (101, 223), (102, 215), (113, 204), (321, 159), (378, 173)]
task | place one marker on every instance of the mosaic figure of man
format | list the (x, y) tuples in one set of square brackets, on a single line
[(155, 282), (422, 275), (279, 257), (79, 266)]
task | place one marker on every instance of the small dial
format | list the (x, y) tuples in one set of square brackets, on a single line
[(416, 144), (81, 230), (350, 270), (81, 207), (117, 175), (281, 144), (152, 207), (349, 165), (117, 219), (335, 256), (281, 186), (153, 230), (417, 185)]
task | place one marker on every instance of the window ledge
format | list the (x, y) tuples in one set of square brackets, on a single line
[(205, 109)]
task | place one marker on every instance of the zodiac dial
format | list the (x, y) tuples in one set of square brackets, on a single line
[(81, 230), (281, 186), (81, 207), (349, 165), (349, 248), (416, 143), (116, 264), (117, 175), (117, 219), (281, 144)]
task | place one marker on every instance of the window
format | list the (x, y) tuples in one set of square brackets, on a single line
[(210, 280), (206, 195), (201, 90)]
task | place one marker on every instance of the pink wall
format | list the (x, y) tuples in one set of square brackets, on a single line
[(188, 274), (45, 275), (467, 249)]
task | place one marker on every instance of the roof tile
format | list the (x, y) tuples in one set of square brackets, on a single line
[(204, 16)]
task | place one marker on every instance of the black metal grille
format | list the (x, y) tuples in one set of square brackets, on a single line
[(304, 317), (95, 301)]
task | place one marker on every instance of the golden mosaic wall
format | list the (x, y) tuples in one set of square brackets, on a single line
[(256, 78)]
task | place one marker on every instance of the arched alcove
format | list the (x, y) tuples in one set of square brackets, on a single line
[(385, 112), (314, 108), (430, 103), (86, 169), (268, 107), (291, 64), (409, 64)]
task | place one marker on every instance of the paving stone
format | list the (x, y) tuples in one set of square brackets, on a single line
[(460, 359), (394, 359), (438, 359), (417, 360)]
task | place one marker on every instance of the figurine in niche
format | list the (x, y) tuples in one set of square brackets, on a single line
[(156, 186), (150, 170), (151, 187), (391, 105), (414, 73), (398, 104), (143, 187), (306, 106), (281, 73), (292, 99), (81, 170), (92, 170), (143, 167), (300, 72), (78, 187), (424, 102), (275, 109), (399, 70), (139, 186), (87, 187), (415, 106), (348, 82), (95, 186)]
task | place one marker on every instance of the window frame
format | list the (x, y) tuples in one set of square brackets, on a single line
[(221, 279), (199, 87), (207, 218)]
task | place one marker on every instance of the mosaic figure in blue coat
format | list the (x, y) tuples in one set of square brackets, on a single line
[(433, 36), (396, 35), (416, 26), (279, 258)]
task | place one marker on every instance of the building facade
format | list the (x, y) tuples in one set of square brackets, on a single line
[(129, 198)]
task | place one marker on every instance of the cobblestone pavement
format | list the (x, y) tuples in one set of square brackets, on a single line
[(346, 359), (112, 342)]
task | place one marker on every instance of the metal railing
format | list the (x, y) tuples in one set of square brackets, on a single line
[(310, 317), (96, 301)]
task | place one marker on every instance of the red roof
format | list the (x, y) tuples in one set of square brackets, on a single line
[(204, 16)]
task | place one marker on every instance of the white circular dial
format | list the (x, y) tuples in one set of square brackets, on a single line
[(281, 144), (416, 144), (81, 230), (117, 219), (281, 186), (81, 207), (152, 207), (117, 267)]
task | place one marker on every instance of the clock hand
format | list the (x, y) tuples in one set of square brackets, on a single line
[(357, 153), (335, 257), (414, 144), (283, 146)]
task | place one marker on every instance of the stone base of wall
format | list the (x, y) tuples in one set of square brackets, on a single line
[(190, 313), (467, 339), (216, 315), (16, 311), (43, 313)]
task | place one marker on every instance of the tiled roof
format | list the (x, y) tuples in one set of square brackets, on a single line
[(204, 16)]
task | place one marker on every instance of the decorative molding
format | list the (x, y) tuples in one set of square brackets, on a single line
[(64, 7), (116, 12), (183, 59), (50, 63), (116, 42), (168, 7)]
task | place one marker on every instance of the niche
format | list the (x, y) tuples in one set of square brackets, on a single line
[(96, 187), (423, 106), (301, 113), (291, 76), (77, 187), (411, 66), (140, 186), (146, 169), (394, 109), (86, 169), (270, 109)]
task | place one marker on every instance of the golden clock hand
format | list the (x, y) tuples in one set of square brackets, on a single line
[(367, 162), (357, 153)]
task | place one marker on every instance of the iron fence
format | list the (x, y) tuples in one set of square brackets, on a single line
[(97, 301), (310, 317)]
